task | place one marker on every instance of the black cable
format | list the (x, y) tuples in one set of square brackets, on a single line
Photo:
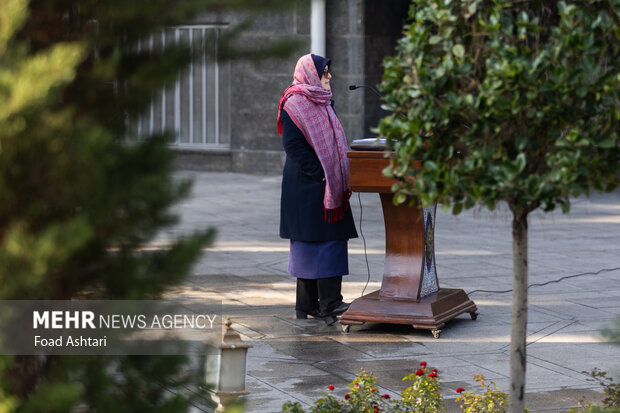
[(549, 282), (359, 198)]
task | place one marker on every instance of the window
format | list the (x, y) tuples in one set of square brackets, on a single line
[(196, 107)]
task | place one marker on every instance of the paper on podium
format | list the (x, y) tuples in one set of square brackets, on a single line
[(368, 144)]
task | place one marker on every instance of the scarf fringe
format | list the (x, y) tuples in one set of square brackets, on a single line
[(335, 214)]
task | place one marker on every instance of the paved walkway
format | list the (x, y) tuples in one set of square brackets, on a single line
[(296, 359)]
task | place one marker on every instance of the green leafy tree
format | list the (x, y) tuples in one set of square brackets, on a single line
[(77, 202), (505, 101)]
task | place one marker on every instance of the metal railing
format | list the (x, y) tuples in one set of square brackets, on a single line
[(197, 106)]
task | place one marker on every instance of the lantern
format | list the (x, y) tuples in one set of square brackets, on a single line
[(225, 368)]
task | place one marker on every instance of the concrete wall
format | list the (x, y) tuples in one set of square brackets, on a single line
[(359, 34), (345, 46), (383, 27), (255, 88)]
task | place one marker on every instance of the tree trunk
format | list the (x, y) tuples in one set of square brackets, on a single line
[(519, 312)]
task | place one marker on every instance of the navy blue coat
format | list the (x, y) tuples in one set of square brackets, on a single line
[(302, 215)]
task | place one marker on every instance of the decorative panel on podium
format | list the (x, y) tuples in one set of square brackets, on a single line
[(410, 291)]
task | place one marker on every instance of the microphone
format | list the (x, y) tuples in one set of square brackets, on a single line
[(353, 87)]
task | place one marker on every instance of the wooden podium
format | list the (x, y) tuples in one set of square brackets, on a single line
[(410, 292)]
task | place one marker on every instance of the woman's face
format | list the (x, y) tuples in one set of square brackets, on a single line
[(325, 79)]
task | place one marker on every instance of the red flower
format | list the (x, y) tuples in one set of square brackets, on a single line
[(434, 371), (377, 410), (459, 390), (419, 372), (423, 364), (331, 387), (373, 389), (356, 383), (432, 374), (347, 397), (386, 396)]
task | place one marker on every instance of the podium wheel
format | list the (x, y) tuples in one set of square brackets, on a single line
[(346, 328), (436, 333), (473, 314)]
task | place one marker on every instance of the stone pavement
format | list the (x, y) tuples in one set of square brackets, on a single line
[(296, 359)]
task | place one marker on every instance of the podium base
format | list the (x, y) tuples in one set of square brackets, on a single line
[(428, 313)]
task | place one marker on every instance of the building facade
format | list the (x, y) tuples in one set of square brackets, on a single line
[(224, 112)]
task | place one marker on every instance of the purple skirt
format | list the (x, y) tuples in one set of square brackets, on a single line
[(318, 259)]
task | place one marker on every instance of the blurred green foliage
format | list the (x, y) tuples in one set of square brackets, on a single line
[(612, 333), (76, 202)]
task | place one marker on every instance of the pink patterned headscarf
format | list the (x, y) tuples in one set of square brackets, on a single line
[(308, 105)]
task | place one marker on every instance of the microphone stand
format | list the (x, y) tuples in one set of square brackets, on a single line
[(376, 92), (370, 143)]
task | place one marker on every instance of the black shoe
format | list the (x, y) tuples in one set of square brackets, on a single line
[(342, 307), (330, 319), (302, 315)]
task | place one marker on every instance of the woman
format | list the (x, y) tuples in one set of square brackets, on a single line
[(314, 209)]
